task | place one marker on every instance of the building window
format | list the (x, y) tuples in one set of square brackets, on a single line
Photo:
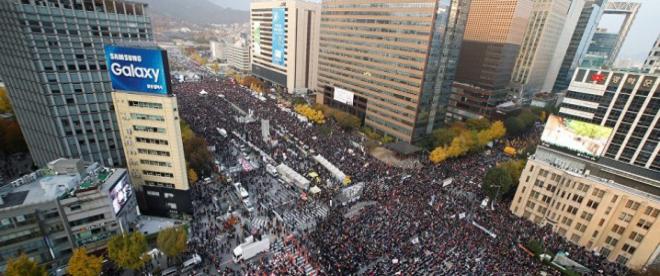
[(632, 205), (636, 236), (149, 129), (154, 152), (145, 105), (155, 163), (153, 193), (151, 141), (621, 260), (171, 205), (611, 241), (159, 174)]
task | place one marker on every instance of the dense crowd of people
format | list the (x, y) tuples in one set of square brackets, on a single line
[(417, 224)]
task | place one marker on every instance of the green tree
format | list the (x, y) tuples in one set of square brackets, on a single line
[(128, 250), (514, 126), (497, 182), (477, 124), (514, 168), (23, 266), (83, 264), (444, 136), (172, 241)]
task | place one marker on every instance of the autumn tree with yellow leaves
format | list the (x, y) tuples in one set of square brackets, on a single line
[(311, 114), (467, 141), (83, 264)]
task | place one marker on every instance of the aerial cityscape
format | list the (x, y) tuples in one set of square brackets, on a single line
[(329, 137)]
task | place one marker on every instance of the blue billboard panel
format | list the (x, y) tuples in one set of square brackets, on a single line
[(278, 36), (138, 69)]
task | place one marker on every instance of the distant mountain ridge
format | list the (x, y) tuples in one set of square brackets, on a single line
[(197, 11)]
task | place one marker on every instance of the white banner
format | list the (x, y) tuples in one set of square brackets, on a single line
[(343, 96)]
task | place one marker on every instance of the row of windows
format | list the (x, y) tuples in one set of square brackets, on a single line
[(147, 117), (154, 152), (151, 141), (155, 163), (159, 174), (158, 184), (145, 104), (149, 129)]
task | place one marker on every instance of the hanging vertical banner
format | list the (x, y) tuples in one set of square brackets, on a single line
[(278, 36), (256, 37)]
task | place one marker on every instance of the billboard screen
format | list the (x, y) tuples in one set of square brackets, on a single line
[(574, 135), (278, 36), (120, 193), (343, 96), (138, 69)]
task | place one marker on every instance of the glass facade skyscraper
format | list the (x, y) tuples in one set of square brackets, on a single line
[(390, 62), (52, 61)]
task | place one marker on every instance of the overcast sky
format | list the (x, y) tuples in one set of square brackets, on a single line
[(644, 31)]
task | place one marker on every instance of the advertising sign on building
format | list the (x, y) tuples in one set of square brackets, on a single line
[(138, 69), (278, 36), (576, 136)]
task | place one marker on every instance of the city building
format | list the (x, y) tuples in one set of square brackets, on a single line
[(285, 41), (238, 56), (600, 49), (148, 121), (549, 31), (51, 59), (491, 43), (584, 31), (626, 102), (391, 62), (605, 206), (68, 204), (218, 50), (604, 47), (652, 63)]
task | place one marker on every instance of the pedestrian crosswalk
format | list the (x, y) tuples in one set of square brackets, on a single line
[(279, 248), (259, 223), (305, 218)]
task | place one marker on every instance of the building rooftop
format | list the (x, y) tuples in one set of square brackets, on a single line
[(634, 179), (61, 179)]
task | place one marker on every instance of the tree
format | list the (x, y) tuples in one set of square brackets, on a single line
[(514, 126), (128, 250), (172, 241), (11, 137), (477, 124), (444, 136), (497, 182), (198, 156), (5, 104), (82, 264), (24, 266), (514, 168), (192, 176)]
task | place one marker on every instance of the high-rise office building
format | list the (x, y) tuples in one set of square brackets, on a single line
[(605, 46), (238, 56), (652, 63), (491, 43), (629, 103), (389, 62), (582, 36), (67, 204), (51, 59), (148, 121), (285, 41), (550, 27)]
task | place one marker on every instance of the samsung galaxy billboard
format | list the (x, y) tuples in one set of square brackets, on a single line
[(138, 69)]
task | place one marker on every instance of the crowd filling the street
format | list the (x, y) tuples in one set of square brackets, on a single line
[(407, 221)]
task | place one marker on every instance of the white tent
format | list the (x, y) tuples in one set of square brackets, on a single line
[(292, 176), (338, 174), (203, 92)]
